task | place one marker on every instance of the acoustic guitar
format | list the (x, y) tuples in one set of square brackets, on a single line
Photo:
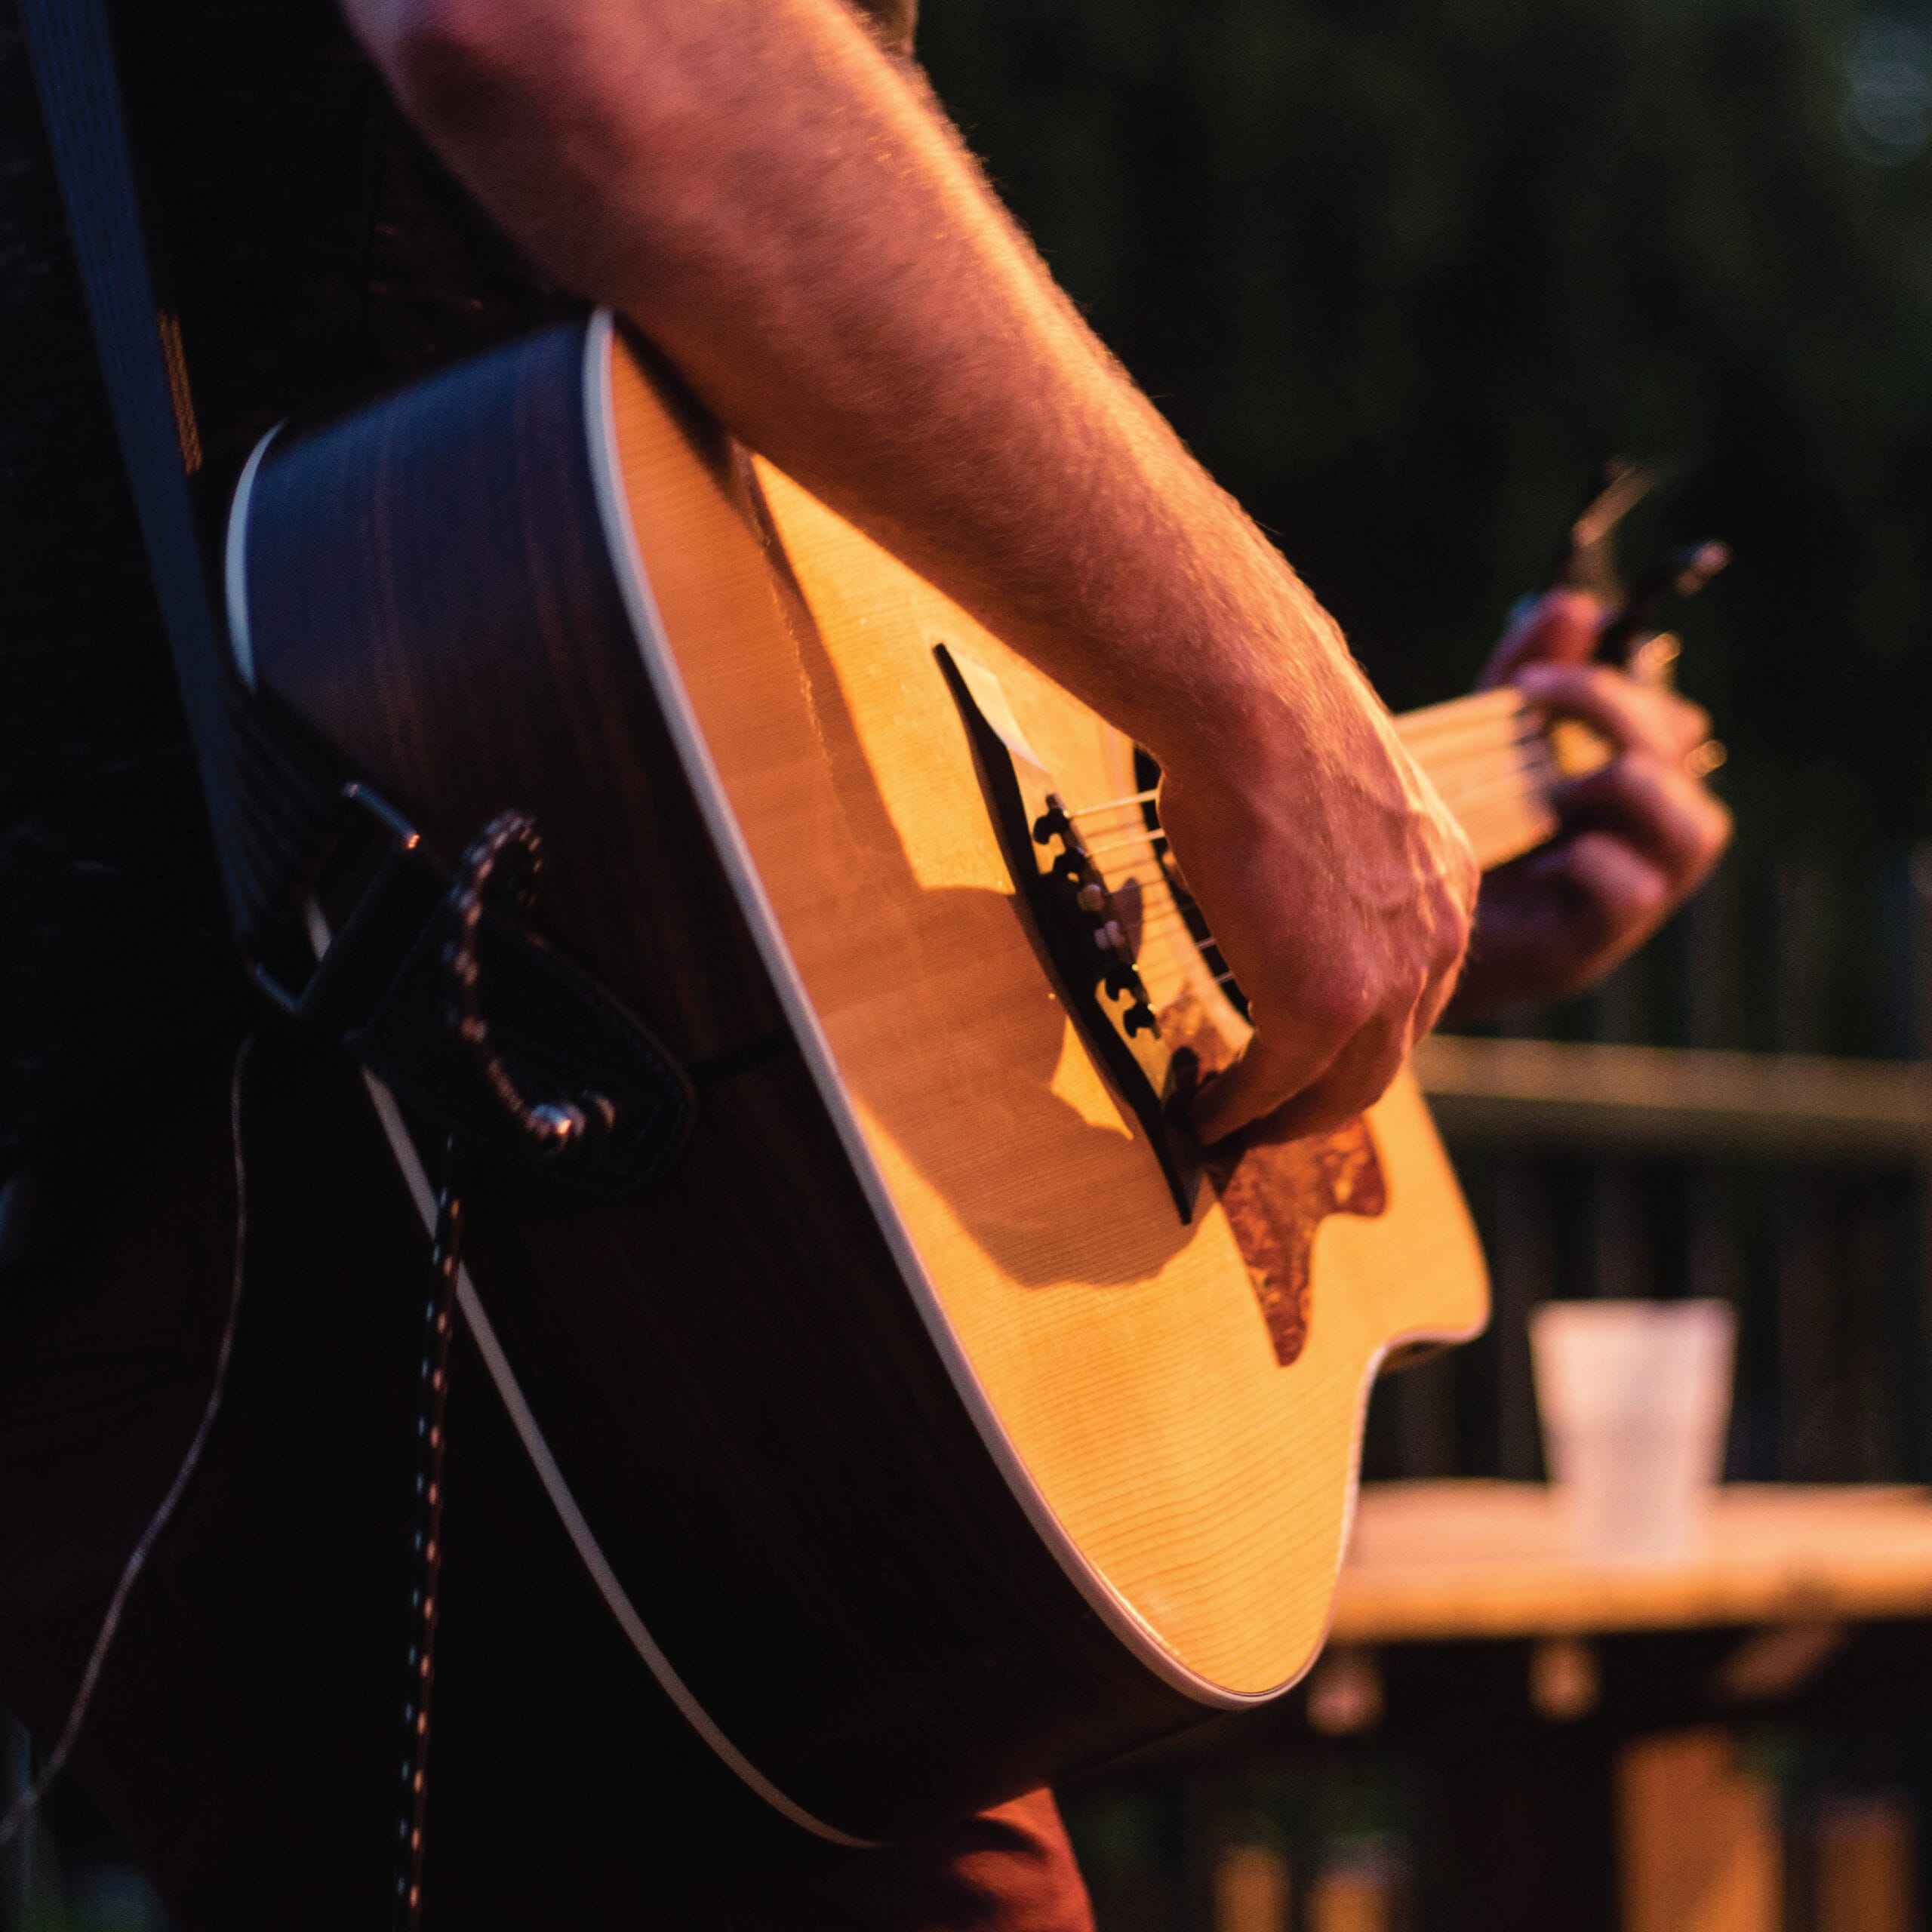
[(943, 1421)]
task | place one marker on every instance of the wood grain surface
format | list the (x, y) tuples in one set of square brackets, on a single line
[(1127, 1357), (776, 1477), (934, 1454)]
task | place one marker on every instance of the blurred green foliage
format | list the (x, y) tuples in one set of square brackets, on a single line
[(1403, 274)]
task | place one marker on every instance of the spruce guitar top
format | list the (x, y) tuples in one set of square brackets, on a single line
[(943, 1421)]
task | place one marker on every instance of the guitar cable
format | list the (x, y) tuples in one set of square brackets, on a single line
[(509, 845), (507, 855), (29, 1802), (438, 1321)]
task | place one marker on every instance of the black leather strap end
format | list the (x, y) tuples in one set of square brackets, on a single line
[(562, 1037)]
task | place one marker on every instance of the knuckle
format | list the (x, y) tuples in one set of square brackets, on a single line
[(1367, 1081), (1342, 1009), (1636, 774)]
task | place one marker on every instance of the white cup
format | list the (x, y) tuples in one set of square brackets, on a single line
[(1634, 1396)]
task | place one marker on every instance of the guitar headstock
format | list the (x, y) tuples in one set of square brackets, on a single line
[(1633, 638)]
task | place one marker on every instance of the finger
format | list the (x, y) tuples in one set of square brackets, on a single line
[(1549, 923), (1629, 714), (1332, 1063), (1617, 898), (1360, 1076), (1561, 627), (1266, 1072), (1655, 807), (1607, 896)]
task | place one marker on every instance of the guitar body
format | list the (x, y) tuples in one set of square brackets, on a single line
[(920, 1446)]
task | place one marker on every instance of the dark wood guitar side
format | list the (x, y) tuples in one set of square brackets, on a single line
[(782, 1495), (943, 1423)]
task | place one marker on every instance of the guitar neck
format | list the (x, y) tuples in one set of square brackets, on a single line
[(1491, 758)]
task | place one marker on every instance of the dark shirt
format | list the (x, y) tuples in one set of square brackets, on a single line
[(318, 255), (243, 1742)]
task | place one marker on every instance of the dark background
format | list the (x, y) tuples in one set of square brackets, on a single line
[(1403, 272), (1403, 275)]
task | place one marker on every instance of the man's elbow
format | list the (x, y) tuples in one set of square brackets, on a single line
[(451, 61), (590, 129)]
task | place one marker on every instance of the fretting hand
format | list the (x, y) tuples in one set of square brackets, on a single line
[(1638, 836)]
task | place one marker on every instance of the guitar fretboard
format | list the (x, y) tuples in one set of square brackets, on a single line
[(1488, 756)]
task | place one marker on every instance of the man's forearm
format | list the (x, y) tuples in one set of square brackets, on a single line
[(776, 204)]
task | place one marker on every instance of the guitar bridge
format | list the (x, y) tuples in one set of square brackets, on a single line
[(1085, 936)]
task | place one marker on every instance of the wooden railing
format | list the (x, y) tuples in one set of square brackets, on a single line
[(1703, 1103)]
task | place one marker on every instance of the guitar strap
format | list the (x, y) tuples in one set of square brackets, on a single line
[(587, 1097)]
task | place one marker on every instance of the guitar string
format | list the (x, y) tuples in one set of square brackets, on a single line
[(1474, 802), (1515, 733), (1418, 730), (1459, 713), (1523, 777), (1521, 737), (1488, 820), (1520, 777), (1113, 805), (1505, 733)]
